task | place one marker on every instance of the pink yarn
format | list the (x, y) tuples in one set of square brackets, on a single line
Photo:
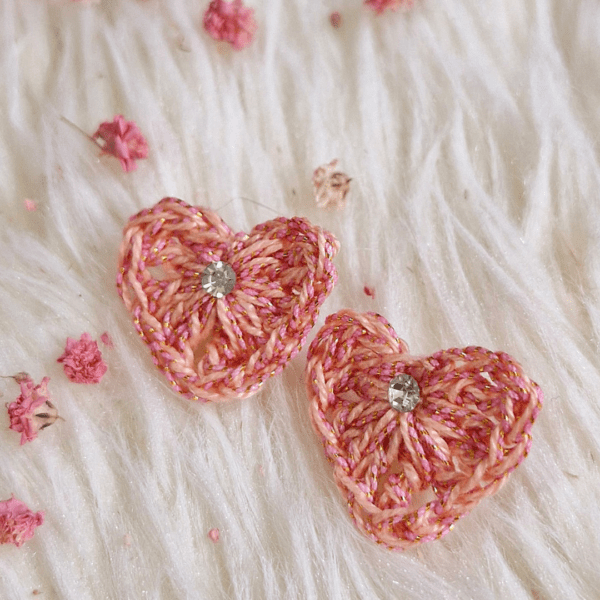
[(17, 522), (470, 431), (123, 140), (230, 22), (216, 349)]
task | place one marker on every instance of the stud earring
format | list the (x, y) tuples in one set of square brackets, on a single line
[(415, 442), (221, 311)]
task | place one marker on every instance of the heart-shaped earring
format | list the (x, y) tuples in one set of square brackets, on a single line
[(415, 442), (221, 311)]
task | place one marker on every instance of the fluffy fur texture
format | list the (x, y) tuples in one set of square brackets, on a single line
[(469, 130)]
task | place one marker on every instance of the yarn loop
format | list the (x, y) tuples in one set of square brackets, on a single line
[(210, 348), (471, 429)]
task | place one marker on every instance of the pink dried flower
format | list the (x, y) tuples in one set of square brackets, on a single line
[(214, 534), (335, 19), (380, 6), (82, 360), (32, 411), (30, 205), (330, 186), (231, 22), (123, 140), (17, 522)]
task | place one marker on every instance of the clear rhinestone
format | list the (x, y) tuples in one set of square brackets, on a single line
[(218, 279), (403, 393)]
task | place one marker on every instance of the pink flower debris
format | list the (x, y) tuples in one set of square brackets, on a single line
[(17, 522), (32, 411), (107, 340), (330, 186), (30, 205), (380, 6), (214, 534), (335, 19), (123, 140), (82, 360), (369, 291), (230, 22)]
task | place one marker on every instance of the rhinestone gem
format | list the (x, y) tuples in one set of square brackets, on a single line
[(218, 279), (403, 393)]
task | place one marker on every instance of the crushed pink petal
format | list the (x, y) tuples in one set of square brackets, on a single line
[(82, 360), (30, 205), (369, 291), (214, 534), (22, 411), (107, 340), (17, 522), (123, 140), (230, 22), (380, 6)]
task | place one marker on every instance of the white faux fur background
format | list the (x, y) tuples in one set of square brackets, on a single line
[(470, 129)]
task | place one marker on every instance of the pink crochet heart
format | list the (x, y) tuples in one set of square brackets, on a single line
[(215, 349), (471, 429)]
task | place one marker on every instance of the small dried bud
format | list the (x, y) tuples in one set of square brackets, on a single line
[(335, 19), (330, 186), (32, 411)]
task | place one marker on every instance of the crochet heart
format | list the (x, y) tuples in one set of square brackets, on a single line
[(471, 428), (210, 348)]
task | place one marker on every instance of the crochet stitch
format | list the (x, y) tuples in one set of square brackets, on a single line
[(471, 429), (215, 349)]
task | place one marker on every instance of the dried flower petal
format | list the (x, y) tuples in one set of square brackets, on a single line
[(82, 360), (214, 534), (335, 19), (380, 6), (123, 140), (230, 22), (107, 340), (17, 522), (369, 291), (32, 411), (330, 186)]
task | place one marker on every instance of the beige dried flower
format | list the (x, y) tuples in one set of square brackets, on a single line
[(331, 186)]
